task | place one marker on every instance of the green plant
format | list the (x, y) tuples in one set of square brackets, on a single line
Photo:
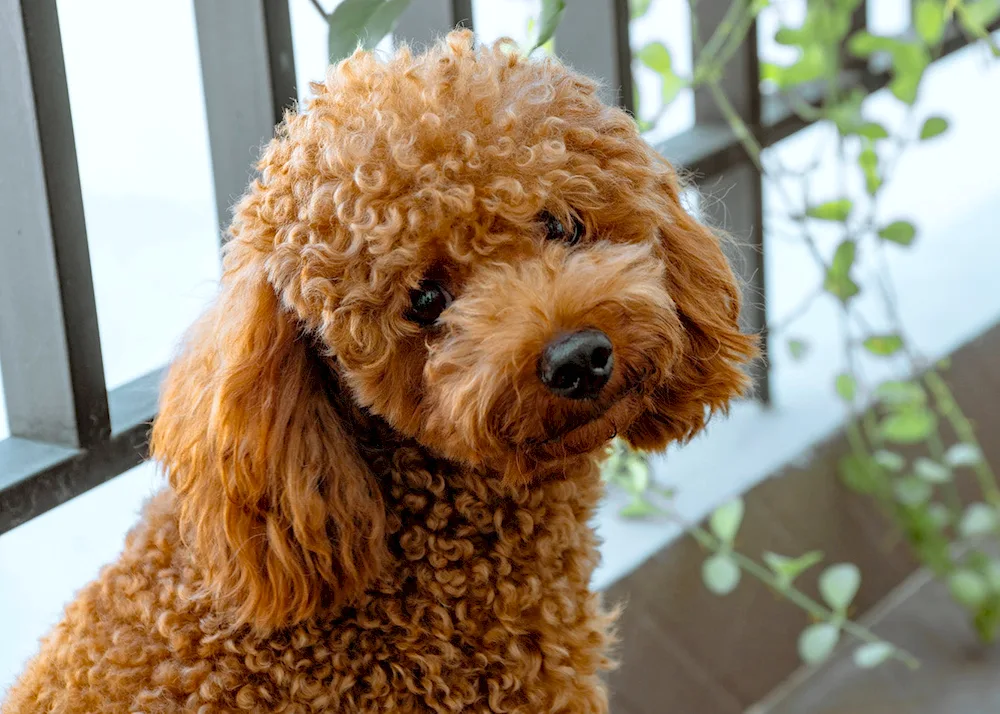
[(917, 489)]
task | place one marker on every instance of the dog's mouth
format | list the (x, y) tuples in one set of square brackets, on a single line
[(591, 432)]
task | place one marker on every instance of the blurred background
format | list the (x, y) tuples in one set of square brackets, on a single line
[(828, 547)]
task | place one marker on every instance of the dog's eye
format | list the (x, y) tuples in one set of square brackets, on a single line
[(428, 302), (555, 230)]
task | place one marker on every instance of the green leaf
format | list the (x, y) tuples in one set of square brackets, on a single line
[(978, 519), (842, 287), (838, 281), (787, 569), (939, 515), (905, 87), (864, 44), (963, 455), (811, 65), (720, 574), (884, 345), (868, 161), (896, 394), (889, 460), (838, 585), (638, 8), (837, 210), (902, 232), (982, 13), (843, 257), (975, 17), (817, 642), (846, 113), (552, 12), (798, 349), (639, 508), (872, 130), (636, 475), (794, 36), (929, 19), (931, 471), (909, 62), (911, 491), (363, 22), (871, 655), (857, 474), (909, 426), (933, 126), (726, 519), (968, 588), (992, 574), (846, 386), (656, 56)]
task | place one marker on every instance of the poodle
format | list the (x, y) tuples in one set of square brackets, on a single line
[(457, 276)]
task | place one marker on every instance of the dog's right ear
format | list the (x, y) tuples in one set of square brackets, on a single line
[(273, 495)]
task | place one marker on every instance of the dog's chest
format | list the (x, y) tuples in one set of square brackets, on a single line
[(485, 606)]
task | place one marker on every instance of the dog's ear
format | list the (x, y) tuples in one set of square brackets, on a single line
[(273, 494), (708, 370)]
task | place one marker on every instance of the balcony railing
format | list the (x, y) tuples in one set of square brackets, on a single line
[(68, 432)]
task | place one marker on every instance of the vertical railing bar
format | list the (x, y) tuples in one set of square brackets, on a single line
[(248, 77), (53, 366), (423, 22), (461, 14), (281, 57), (593, 38), (743, 185), (623, 48)]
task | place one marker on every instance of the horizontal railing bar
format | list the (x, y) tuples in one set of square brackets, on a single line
[(706, 150), (36, 476)]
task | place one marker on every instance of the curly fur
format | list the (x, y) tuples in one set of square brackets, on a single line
[(365, 515)]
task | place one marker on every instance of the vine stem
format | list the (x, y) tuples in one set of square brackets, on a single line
[(799, 311), (722, 32), (736, 123), (793, 594), (965, 432), (320, 10)]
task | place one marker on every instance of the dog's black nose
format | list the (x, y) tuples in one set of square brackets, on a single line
[(578, 365)]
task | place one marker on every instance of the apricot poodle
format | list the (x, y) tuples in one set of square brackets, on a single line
[(458, 275)]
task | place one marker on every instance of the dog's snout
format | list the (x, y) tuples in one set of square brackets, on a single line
[(578, 365)]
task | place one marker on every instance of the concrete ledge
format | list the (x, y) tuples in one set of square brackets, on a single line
[(693, 652)]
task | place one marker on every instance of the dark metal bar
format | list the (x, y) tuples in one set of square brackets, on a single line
[(248, 73), (422, 23), (593, 38), (281, 59), (53, 371), (36, 477), (742, 214), (461, 13)]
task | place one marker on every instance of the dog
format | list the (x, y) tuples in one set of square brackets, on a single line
[(457, 276)]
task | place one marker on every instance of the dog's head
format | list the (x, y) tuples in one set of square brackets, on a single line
[(469, 246)]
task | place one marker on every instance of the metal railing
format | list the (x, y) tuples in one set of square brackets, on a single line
[(68, 432)]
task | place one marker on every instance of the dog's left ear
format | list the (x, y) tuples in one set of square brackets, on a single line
[(273, 495), (708, 371)]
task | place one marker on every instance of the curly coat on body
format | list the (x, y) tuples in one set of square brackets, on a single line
[(380, 485)]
